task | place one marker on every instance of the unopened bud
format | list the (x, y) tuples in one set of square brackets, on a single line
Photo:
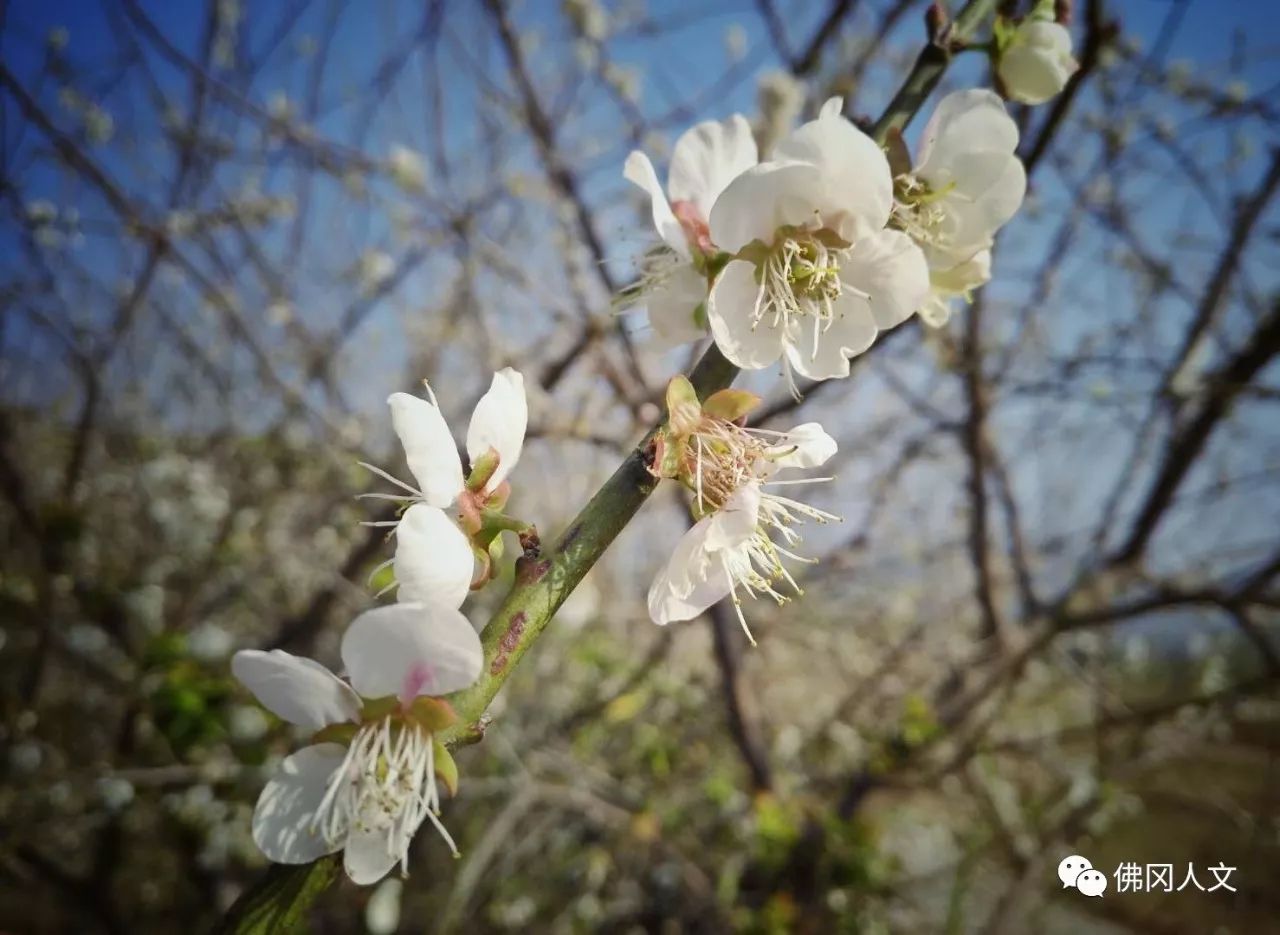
[(935, 20)]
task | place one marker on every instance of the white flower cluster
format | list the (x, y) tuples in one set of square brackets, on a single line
[(371, 775), (804, 259)]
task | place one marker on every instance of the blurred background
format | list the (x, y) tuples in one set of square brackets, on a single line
[(1048, 625)]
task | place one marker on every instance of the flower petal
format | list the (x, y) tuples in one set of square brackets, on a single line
[(851, 332), (434, 563), (295, 688), (638, 170), (891, 269), (805, 446), (690, 582), (764, 198), (974, 221), (429, 447), (673, 307), (735, 522), (372, 848), (408, 650), (963, 123), (707, 158), (855, 173), (729, 310), (499, 421), (282, 818)]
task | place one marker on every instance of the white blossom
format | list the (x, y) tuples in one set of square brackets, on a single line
[(967, 182), (368, 797), (705, 159), (732, 548), (815, 273), (433, 560), (1037, 62)]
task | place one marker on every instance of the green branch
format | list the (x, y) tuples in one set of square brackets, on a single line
[(277, 902)]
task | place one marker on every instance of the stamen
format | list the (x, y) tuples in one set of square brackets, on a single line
[(386, 782), (385, 476)]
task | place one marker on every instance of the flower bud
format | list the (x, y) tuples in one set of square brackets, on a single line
[(1036, 63)]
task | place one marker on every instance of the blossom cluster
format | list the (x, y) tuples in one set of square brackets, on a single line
[(803, 259), (798, 260), (373, 770)]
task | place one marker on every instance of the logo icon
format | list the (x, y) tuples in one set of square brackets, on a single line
[(1076, 871), (1092, 882), (1070, 868)]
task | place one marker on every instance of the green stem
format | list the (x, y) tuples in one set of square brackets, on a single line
[(277, 902)]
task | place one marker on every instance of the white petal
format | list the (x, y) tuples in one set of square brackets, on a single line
[(729, 310), (690, 582), (499, 421), (964, 122), (411, 649), (370, 851), (429, 447), (434, 562), (947, 284), (764, 198), (974, 221), (891, 269), (855, 173), (805, 446), (963, 277), (638, 170), (673, 306), (282, 817), (735, 522), (707, 158), (295, 688), (831, 107), (852, 332)]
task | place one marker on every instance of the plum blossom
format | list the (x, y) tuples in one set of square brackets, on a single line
[(966, 184), (706, 158), (730, 469), (814, 273), (370, 777), (446, 512), (1035, 60)]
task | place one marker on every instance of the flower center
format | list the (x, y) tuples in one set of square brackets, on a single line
[(920, 211), (799, 277), (720, 458), (386, 784)]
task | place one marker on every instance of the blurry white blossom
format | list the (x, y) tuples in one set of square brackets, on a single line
[(407, 168)]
